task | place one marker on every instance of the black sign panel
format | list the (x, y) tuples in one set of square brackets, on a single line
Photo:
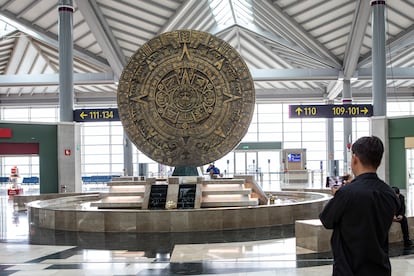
[(186, 196), (95, 115), (158, 196), (330, 111)]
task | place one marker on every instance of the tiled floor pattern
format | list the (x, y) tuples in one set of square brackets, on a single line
[(275, 257), (232, 254)]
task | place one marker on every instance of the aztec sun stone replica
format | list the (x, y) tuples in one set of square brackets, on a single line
[(186, 98)]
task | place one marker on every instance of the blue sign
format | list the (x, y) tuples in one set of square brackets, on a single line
[(294, 157)]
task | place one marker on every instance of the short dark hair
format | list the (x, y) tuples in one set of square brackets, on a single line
[(369, 150)]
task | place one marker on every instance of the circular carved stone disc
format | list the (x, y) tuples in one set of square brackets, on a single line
[(186, 98)]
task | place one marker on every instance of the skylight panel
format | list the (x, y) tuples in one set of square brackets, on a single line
[(229, 12), (243, 11), (222, 12)]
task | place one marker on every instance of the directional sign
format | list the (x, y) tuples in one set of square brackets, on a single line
[(330, 111), (95, 115)]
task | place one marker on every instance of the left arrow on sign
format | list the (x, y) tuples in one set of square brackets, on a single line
[(83, 115)]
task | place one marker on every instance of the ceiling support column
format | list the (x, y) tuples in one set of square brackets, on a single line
[(379, 123), (66, 94), (378, 59), (347, 99), (330, 149), (128, 159)]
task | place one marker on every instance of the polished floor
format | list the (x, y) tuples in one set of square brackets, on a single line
[(28, 251)]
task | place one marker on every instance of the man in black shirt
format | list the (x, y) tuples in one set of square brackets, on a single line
[(402, 219), (360, 214)]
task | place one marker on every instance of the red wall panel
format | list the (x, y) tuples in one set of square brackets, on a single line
[(18, 148), (5, 133)]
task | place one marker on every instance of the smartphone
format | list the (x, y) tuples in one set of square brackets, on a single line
[(335, 181)]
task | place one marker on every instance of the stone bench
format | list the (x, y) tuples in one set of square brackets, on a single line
[(395, 234), (312, 235)]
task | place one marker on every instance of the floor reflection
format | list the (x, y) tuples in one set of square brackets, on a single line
[(250, 252), (153, 243)]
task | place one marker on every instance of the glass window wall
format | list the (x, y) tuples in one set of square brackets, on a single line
[(102, 143)]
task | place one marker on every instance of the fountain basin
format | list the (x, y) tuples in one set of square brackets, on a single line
[(75, 213)]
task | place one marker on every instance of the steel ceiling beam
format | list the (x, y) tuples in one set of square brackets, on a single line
[(184, 9), (50, 38), (23, 80), (401, 42), (298, 95), (259, 32), (353, 47), (325, 74), (355, 38), (404, 73), (297, 32), (103, 34), (294, 74)]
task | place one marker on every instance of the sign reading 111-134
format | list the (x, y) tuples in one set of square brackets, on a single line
[(95, 115), (330, 111)]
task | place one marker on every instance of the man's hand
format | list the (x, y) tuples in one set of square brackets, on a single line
[(335, 188), (349, 178)]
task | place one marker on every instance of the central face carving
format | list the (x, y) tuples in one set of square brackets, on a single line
[(186, 98)]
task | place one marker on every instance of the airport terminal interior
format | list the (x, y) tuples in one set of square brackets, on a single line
[(259, 251), (302, 56)]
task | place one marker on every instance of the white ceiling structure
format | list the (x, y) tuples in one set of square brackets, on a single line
[(297, 50)]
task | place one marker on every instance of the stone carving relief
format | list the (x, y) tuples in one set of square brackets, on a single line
[(186, 98)]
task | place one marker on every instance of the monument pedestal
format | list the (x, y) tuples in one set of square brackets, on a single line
[(184, 192), (126, 192), (187, 171)]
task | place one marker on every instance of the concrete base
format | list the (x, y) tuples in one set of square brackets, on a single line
[(395, 234), (311, 234), (186, 171)]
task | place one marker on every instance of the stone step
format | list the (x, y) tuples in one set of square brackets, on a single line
[(221, 181), (207, 203), (223, 185), (126, 183), (122, 194), (119, 202), (221, 191), (118, 205), (128, 178), (136, 188)]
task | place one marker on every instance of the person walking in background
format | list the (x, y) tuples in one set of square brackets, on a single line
[(360, 214), (402, 219)]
